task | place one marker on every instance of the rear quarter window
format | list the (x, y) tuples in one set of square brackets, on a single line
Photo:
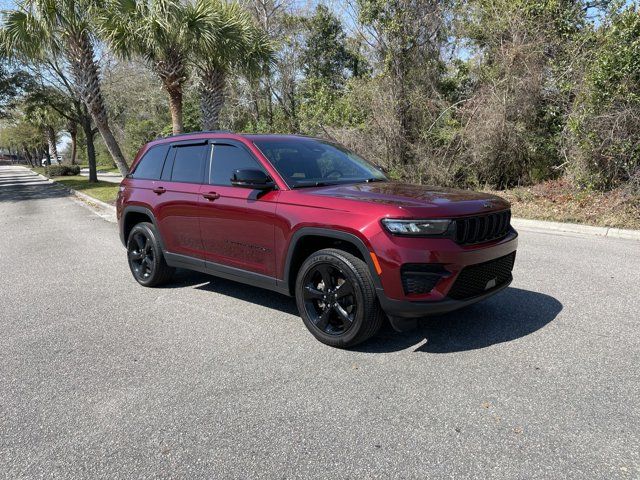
[(150, 165)]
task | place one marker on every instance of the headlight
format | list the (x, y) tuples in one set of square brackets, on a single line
[(416, 227)]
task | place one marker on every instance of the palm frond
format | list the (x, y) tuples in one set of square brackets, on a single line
[(25, 36)]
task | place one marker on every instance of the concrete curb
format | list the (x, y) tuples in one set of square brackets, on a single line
[(575, 228), (518, 223)]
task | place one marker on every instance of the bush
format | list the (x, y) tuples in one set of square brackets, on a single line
[(62, 170), (603, 129)]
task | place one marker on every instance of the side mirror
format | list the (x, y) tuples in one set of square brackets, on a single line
[(254, 179)]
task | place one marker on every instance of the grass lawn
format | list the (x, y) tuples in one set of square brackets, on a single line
[(558, 201), (104, 191)]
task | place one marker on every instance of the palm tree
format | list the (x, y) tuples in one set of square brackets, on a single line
[(63, 27), (239, 44), (163, 33), (44, 119)]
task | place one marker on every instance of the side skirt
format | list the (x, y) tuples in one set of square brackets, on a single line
[(223, 271)]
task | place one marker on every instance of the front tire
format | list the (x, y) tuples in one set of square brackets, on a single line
[(145, 257), (336, 298)]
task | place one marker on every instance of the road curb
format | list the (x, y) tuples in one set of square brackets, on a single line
[(524, 223), (609, 232)]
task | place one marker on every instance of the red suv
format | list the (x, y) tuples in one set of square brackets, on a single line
[(307, 218)]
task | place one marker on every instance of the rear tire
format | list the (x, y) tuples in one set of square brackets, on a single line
[(145, 257), (337, 299)]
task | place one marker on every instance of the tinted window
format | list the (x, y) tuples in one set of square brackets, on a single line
[(188, 164), (310, 162), (150, 164), (226, 159)]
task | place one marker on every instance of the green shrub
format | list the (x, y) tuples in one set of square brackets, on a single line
[(62, 170)]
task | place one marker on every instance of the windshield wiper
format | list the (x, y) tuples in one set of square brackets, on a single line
[(313, 184), (373, 179)]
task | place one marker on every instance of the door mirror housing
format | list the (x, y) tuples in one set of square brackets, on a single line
[(254, 179)]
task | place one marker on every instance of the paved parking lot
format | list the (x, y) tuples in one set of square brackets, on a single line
[(206, 378)]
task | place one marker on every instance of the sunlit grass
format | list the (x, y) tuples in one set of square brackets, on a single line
[(103, 191)]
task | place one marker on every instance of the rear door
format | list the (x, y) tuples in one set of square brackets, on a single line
[(237, 224), (178, 198)]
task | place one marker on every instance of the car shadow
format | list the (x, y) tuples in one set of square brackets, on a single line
[(511, 314), (229, 288), (514, 313)]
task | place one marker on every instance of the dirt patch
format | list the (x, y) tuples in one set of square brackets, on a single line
[(559, 201)]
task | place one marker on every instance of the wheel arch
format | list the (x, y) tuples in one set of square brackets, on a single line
[(307, 240), (131, 216)]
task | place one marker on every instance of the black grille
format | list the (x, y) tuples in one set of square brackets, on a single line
[(470, 230), (420, 277), (477, 279)]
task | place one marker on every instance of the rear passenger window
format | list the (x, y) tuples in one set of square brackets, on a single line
[(188, 164), (150, 165), (226, 159)]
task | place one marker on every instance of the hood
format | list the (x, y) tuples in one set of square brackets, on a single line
[(416, 198)]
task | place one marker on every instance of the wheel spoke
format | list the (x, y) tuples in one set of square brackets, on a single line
[(327, 278), (311, 293), (323, 319), (343, 315), (140, 241), (147, 261), (344, 290)]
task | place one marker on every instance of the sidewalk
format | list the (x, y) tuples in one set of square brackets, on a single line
[(111, 177)]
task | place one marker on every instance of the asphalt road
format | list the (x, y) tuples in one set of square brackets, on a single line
[(206, 378)]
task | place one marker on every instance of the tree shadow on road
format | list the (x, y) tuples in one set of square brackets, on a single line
[(20, 192), (512, 314)]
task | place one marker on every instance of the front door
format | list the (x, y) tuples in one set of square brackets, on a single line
[(237, 224)]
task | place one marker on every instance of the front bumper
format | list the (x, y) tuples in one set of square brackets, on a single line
[(445, 297), (417, 309)]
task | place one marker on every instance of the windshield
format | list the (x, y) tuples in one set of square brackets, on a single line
[(307, 162)]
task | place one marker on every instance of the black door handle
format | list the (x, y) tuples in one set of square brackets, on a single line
[(211, 196)]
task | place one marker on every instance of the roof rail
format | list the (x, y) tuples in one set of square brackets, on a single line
[(198, 132)]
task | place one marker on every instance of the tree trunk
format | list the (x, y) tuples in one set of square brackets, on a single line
[(175, 107), (27, 154), (212, 83), (72, 128), (87, 80), (50, 136), (171, 72), (47, 155), (91, 149)]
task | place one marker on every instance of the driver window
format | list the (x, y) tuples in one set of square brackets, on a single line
[(226, 159)]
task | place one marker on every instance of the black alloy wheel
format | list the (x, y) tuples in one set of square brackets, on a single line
[(141, 256), (145, 257), (336, 298), (329, 299)]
